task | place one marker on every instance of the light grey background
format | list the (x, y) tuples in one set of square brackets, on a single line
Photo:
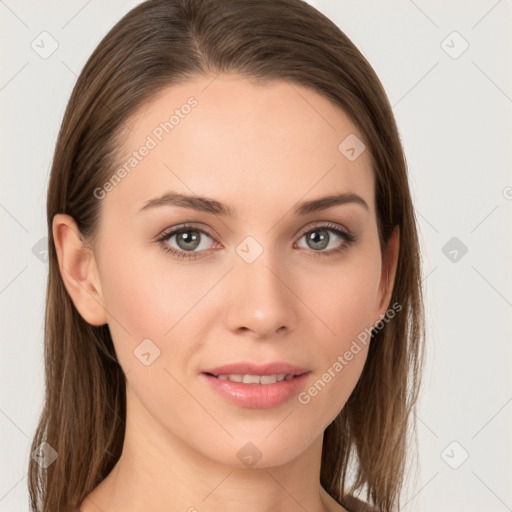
[(454, 116)]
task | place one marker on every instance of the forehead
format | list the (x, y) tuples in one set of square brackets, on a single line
[(242, 142)]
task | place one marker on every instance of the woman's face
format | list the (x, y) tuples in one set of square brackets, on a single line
[(271, 283)]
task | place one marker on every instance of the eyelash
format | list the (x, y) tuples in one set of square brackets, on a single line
[(349, 239)]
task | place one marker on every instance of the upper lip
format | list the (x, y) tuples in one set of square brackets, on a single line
[(248, 368)]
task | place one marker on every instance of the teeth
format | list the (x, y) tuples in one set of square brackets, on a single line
[(256, 379), (251, 379)]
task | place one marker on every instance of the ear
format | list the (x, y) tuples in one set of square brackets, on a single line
[(389, 265), (77, 266)]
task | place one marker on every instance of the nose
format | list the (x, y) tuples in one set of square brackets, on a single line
[(261, 301)]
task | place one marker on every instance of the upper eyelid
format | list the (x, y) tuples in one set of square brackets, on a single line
[(174, 230)]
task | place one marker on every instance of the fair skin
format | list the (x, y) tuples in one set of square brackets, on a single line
[(261, 149)]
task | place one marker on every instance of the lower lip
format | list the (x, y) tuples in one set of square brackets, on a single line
[(257, 396)]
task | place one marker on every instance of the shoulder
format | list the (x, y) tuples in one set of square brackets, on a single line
[(353, 504)]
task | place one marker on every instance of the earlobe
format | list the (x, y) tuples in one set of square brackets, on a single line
[(77, 266)]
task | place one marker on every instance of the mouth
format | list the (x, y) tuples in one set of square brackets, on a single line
[(258, 387)]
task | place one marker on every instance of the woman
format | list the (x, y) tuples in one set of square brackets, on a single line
[(234, 312)]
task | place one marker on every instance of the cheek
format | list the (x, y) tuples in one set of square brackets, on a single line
[(344, 303), (140, 305), (133, 299), (148, 297), (344, 299)]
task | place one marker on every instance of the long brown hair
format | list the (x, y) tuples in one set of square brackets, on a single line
[(165, 42)]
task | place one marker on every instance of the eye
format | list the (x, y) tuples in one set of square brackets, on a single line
[(188, 238), (192, 241), (319, 239)]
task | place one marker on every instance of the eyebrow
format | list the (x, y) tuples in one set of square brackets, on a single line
[(205, 204)]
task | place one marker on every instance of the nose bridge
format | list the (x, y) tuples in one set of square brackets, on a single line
[(261, 300)]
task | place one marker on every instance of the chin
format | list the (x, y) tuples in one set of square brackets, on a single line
[(260, 452)]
